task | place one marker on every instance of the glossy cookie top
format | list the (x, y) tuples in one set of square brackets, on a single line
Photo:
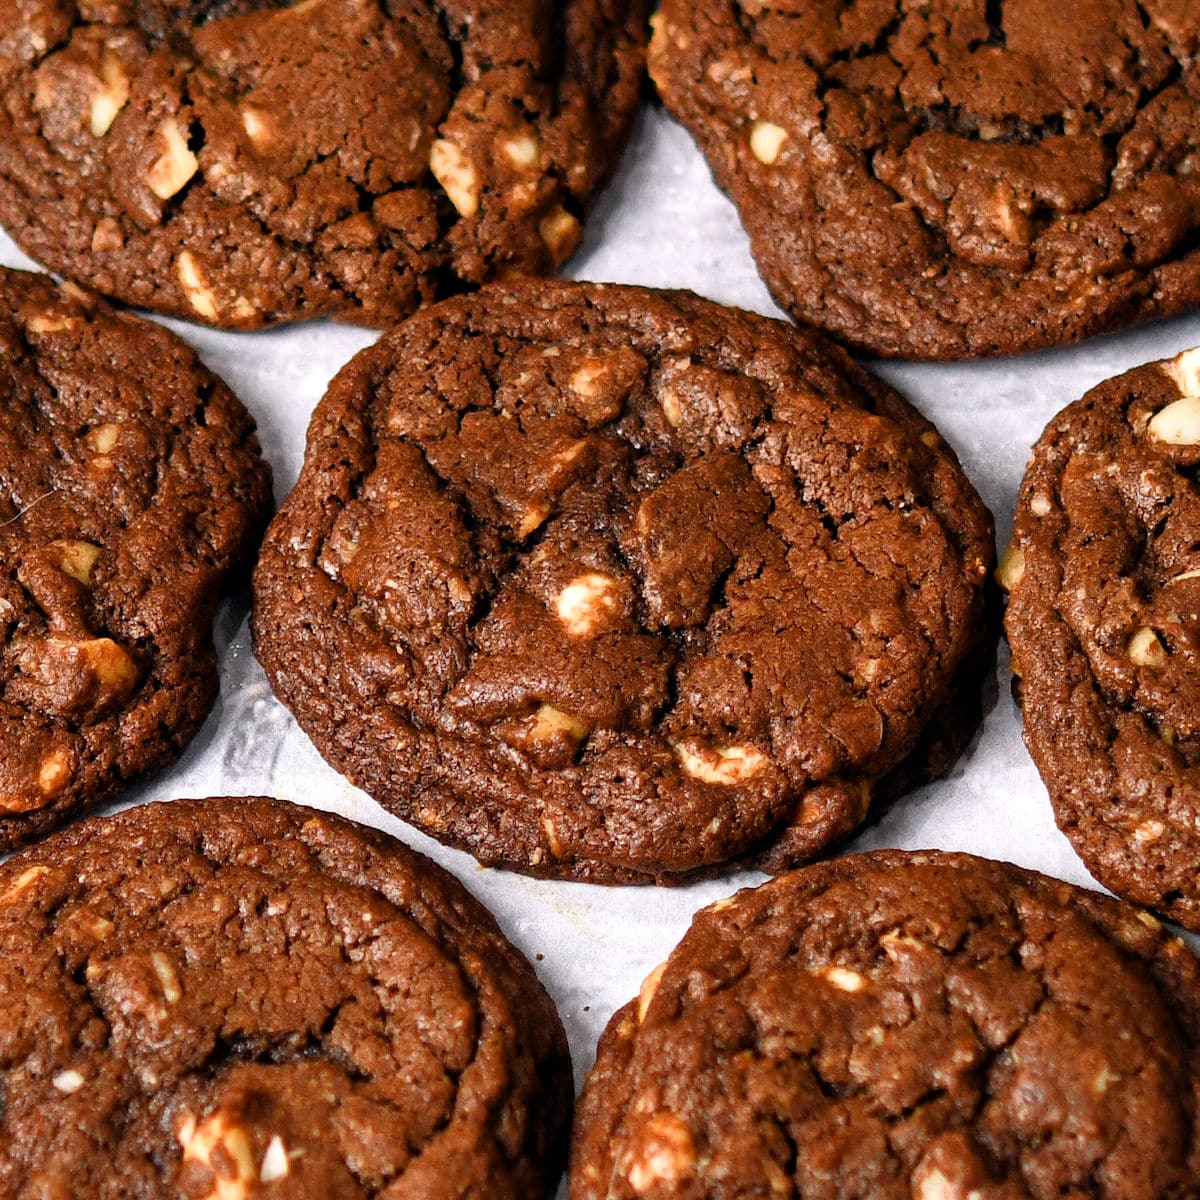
[(905, 1027), (615, 584), (131, 490), (229, 999), (950, 180), (1104, 619), (247, 162)]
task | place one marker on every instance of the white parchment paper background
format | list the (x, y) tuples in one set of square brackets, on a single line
[(662, 222)]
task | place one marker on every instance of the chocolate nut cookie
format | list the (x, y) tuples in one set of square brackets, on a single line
[(226, 999), (247, 162), (1104, 623), (952, 178), (617, 585), (903, 1027), (131, 489)]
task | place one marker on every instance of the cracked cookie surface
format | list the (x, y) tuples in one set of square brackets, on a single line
[(1104, 622), (131, 491), (948, 180), (905, 1027), (619, 585), (226, 999), (248, 162)]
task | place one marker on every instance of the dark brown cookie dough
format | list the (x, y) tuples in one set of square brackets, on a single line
[(131, 489), (952, 179), (246, 162), (613, 584), (228, 999), (903, 1027), (1104, 623)]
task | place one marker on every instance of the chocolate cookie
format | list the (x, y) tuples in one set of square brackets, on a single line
[(131, 488), (1104, 623), (903, 1027), (619, 585), (952, 179), (246, 162), (225, 999)]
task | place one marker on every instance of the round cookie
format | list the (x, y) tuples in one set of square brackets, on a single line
[(947, 179), (131, 491), (904, 1027), (617, 585), (1104, 622), (227, 999), (248, 162)]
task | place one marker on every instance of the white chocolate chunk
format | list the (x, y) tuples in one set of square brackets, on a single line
[(549, 721), (103, 438), (175, 166), (726, 766), (649, 987), (523, 151), (766, 141), (275, 1164), (110, 98), (666, 1154), (258, 126), (934, 1185), (844, 979), (587, 603), (199, 296), (457, 176), (224, 1149), (68, 1082)]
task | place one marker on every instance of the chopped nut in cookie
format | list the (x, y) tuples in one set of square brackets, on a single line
[(767, 141), (458, 177)]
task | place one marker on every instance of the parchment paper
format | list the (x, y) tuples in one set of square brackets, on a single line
[(661, 223)]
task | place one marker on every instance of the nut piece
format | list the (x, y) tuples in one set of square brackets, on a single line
[(1178, 424), (549, 721), (165, 970), (562, 234), (1011, 570), (649, 987), (587, 604), (459, 180), (76, 558), (54, 773), (199, 296), (1146, 650), (52, 323), (665, 1153), (111, 662), (25, 881), (766, 141), (103, 438), (727, 766), (1185, 370), (112, 96), (175, 166), (224, 1149)]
